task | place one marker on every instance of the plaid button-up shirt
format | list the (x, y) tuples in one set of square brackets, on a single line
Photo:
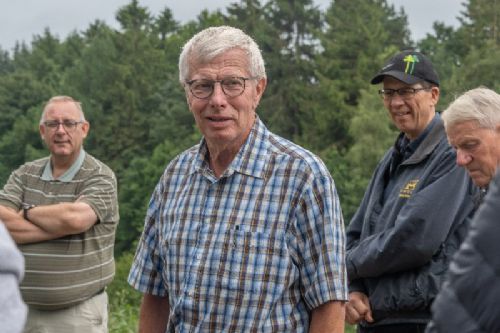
[(252, 251)]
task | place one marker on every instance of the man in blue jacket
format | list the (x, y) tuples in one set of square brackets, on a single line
[(471, 292), (414, 212)]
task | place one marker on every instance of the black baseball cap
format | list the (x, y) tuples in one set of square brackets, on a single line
[(409, 67)]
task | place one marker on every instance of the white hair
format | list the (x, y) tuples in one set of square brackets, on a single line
[(480, 104), (59, 99), (211, 42)]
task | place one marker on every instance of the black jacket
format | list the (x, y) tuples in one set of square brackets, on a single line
[(470, 298), (398, 251)]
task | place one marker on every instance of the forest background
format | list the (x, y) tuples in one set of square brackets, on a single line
[(318, 63)]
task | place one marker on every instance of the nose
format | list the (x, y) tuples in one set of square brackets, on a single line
[(218, 98), (60, 128), (396, 100), (463, 158)]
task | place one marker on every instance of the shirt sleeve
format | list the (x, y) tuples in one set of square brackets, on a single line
[(12, 193), (320, 243), (100, 192), (146, 273)]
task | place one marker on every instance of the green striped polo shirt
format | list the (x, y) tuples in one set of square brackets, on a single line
[(65, 271)]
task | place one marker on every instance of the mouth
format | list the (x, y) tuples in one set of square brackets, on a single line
[(401, 113), (479, 178), (218, 119)]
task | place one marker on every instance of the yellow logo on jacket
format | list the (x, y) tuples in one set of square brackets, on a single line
[(408, 189)]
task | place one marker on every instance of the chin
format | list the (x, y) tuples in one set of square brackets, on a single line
[(482, 182), (61, 153), (222, 136)]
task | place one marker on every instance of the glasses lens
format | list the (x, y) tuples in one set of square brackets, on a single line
[(406, 92), (233, 86), (386, 93), (202, 88), (69, 125), (51, 124)]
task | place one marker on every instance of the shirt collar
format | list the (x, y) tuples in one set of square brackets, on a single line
[(66, 176), (250, 159)]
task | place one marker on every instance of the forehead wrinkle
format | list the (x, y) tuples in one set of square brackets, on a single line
[(233, 61)]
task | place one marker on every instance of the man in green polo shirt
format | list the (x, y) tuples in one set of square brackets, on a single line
[(62, 211)]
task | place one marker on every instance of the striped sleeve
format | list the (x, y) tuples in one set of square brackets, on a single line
[(12, 193), (100, 192)]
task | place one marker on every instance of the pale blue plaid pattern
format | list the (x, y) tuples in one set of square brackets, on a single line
[(253, 251)]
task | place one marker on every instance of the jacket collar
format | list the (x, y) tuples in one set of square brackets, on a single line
[(427, 146)]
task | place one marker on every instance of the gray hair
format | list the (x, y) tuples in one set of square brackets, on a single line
[(211, 42), (58, 99), (480, 104)]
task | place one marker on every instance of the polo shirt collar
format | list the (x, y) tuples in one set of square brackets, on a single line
[(69, 174)]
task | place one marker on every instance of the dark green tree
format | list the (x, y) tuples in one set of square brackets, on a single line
[(289, 55), (165, 25), (357, 31)]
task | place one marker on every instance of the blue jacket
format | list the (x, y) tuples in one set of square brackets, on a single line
[(398, 251), (470, 298)]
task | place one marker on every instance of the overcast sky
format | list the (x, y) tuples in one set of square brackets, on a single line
[(20, 20)]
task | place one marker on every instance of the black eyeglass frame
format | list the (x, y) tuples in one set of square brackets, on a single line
[(407, 92), (213, 82)]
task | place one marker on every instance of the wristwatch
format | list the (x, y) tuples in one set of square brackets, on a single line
[(26, 208)]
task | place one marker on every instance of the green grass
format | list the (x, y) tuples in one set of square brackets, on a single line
[(124, 301), (350, 329)]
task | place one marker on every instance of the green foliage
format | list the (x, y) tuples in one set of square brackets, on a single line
[(373, 134), (20, 144), (137, 187), (480, 67), (350, 329), (124, 301), (357, 32), (318, 64)]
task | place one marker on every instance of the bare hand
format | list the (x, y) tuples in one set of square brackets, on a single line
[(358, 308)]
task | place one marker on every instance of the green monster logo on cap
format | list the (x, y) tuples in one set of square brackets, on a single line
[(410, 63)]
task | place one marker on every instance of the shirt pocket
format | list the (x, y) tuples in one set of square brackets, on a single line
[(258, 264)]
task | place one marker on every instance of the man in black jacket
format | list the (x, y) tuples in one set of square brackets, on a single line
[(470, 298), (414, 212)]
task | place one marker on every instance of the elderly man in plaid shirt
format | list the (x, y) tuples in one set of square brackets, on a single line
[(244, 231)]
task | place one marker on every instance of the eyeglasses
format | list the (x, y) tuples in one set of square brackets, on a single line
[(231, 86), (68, 125), (404, 93)]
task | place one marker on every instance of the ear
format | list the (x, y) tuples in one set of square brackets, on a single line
[(189, 97), (41, 128), (435, 94), (85, 129), (260, 87)]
